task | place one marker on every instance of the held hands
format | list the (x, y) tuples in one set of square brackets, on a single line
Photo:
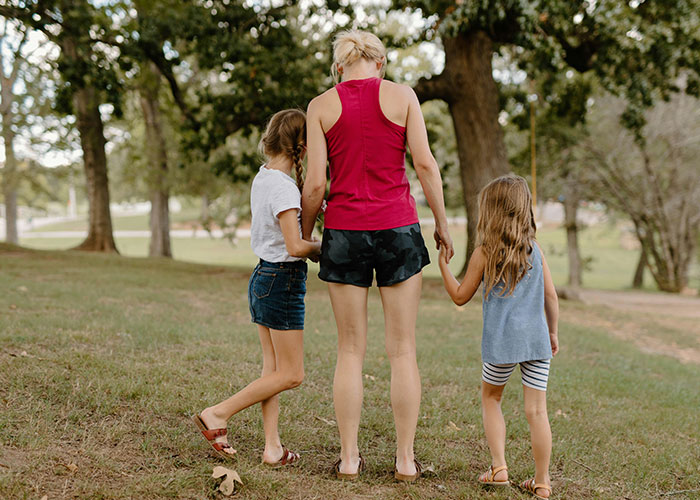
[(443, 242), (314, 257)]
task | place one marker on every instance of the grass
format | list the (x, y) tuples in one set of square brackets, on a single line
[(611, 267), (104, 357)]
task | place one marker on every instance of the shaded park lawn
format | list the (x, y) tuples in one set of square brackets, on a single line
[(103, 358)]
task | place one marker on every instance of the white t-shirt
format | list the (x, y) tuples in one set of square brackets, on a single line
[(272, 192)]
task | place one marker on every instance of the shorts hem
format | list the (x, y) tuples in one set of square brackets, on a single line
[(396, 281), (277, 327), (341, 282)]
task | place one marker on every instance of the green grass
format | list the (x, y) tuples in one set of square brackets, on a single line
[(104, 357), (611, 266)]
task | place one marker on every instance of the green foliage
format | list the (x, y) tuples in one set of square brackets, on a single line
[(636, 49)]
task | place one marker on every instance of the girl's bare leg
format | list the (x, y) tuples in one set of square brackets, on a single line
[(270, 407), (350, 309), (400, 304), (288, 374), (494, 427), (540, 433)]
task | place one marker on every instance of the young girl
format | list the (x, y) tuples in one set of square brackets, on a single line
[(276, 288), (520, 310)]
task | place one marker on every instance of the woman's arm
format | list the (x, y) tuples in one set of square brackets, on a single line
[(315, 182), (461, 293), (427, 170), (551, 306), (296, 247)]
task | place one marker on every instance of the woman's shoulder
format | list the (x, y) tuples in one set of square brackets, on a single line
[(321, 100), (397, 89)]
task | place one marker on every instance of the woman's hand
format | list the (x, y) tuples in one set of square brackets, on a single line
[(443, 239)]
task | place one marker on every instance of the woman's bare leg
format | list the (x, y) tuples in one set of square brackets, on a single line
[(350, 309), (400, 304), (288, 374), (540, 434)]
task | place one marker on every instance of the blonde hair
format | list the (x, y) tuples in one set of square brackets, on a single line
[(286, 134), (352, 45), (506, 231)]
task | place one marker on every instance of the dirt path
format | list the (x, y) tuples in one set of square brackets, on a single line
[(681, 313), (652, 303)]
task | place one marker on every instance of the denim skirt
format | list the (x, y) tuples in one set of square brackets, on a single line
[(276, 293)]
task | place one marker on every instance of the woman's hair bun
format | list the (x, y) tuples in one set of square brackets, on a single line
[(352, 45)]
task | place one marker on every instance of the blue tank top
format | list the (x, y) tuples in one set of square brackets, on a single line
[(515, 326)]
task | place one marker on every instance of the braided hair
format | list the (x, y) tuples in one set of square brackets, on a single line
[(286, 134)]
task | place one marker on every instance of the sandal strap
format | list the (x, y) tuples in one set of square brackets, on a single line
[(288, 457), (220, 446), (212, 434), (537, 486), (496, 471)]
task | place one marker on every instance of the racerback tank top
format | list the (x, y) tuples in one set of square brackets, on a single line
[(366, 153)]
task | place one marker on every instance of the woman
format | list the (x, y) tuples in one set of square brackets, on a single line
[(362, 127)]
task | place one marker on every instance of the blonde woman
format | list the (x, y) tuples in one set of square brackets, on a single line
[(361, 128), (520, 321)]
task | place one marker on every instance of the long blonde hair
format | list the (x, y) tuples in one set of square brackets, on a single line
[(352, 45), (286, 134), (506, 231)]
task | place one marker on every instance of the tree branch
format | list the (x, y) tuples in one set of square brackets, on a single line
[(433, 88)]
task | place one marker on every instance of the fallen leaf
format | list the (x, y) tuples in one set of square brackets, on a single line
[(453, 425), (227, 486), (325, 421)]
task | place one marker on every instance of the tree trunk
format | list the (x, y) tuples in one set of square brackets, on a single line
[(156, 153), (9, 181), (571, 202), (467, 85), (638, 280), (92, 141)]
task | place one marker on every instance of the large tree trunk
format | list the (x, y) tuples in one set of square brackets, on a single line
[(92, 141), (9, 181), (571, 203), (157, 155), (467, 85)]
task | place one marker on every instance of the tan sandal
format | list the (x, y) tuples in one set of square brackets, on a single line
[(531, 487), (288, 458), (210, 435), (405, 478), (348, 477), (491, 477)]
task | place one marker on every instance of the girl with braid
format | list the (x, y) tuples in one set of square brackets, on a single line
[(276, 288)]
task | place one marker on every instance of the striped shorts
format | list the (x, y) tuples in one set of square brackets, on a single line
[(534, 373)]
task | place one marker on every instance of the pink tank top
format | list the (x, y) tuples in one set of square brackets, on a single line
[(366, 153)]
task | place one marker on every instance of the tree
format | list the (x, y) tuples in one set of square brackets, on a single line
[(635, 49), (8, 81), (654, 181), (89, 80)]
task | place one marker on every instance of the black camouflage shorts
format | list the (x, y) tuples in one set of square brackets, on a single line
[(350, 257)]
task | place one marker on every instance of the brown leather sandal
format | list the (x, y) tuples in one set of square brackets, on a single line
[(404, 478), (210, 435), (490, 479), (288, 458), (531, 487), (348, 477)]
